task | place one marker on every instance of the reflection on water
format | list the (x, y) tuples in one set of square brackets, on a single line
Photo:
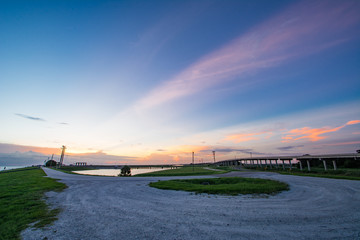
[(115, 172)]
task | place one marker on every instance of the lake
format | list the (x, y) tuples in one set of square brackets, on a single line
[(116, 172)]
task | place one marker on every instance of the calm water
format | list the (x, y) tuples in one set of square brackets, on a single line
[(115, 172)]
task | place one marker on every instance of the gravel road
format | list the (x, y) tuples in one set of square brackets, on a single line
[(127, 208)]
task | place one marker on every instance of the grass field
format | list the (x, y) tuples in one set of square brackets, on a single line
[(341, 173), (224, 186), (21, 201), (182, 171)]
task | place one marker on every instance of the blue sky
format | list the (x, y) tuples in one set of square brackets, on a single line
[(151, 81)]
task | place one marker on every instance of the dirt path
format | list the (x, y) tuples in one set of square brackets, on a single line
[(126, 208)]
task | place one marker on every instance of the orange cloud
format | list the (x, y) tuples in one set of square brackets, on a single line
[(353, 122), (313, 134), (244, 137), (187, 149), (10, 148)]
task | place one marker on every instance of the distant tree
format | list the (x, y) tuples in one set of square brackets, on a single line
[(51, 163), (125, 171), (358, 151)]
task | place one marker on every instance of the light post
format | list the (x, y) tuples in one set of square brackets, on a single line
[(213, 155)]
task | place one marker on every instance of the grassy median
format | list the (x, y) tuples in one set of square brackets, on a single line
[(22, 201), (182, 171), (224, 186)]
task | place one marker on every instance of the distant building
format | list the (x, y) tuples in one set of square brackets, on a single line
[(80, 163)]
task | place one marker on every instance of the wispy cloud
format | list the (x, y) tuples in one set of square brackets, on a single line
[(226, 150), (342, 143), (245, 137), (288, 148), (303, 29), (30, 117), (313, 134)]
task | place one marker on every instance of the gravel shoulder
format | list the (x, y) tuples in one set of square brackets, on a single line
[(127, 208)]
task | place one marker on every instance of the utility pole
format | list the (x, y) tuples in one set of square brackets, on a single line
[(193, 160), (214, 155)]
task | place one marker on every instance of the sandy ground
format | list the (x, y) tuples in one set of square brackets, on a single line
[(126, 208)]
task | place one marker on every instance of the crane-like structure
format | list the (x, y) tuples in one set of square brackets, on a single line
[(62, 156)]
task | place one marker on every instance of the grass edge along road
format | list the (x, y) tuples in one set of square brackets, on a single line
[(183, 171), (22, 201), (348, 174), (224, 186)]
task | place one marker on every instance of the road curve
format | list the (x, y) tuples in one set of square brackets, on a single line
[(126, 208)]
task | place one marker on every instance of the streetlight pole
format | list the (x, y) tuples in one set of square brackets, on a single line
[(214, 155)]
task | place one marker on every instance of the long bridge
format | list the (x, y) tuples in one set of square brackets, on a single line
[(288, 161)]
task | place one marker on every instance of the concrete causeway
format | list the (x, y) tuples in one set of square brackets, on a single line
[(127, 208)]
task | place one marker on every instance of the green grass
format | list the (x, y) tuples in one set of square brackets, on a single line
[(21, 201), (342, 173), (182, 171), (224, 186)]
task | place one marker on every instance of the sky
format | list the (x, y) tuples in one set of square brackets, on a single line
[(150, 82)]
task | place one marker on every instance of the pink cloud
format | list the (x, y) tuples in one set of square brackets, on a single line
[(309, 133), (313, 134), (302, 29)]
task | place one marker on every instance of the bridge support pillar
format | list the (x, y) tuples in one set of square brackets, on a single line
[(277, 164), (324, 162), (334, 163), (300, 166), (308, 165), (290, 164), (283, 165), (270, 164)]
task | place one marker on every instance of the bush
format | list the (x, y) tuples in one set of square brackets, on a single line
[(125, 171)]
